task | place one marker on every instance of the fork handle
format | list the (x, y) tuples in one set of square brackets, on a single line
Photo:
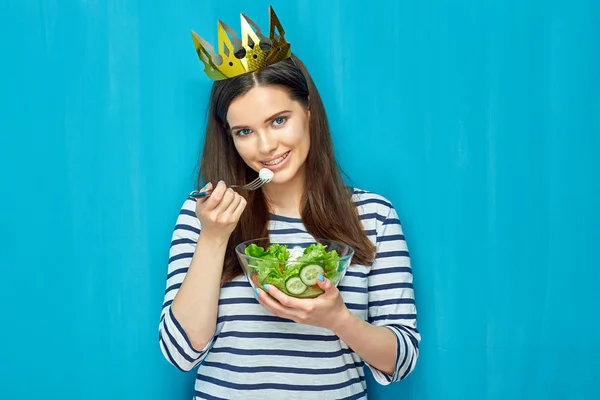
[(199, 195)]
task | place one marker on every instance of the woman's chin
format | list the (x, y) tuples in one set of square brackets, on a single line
[(278, 180), (281, 177)]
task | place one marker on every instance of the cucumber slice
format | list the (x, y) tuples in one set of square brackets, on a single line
[(294, 285), (309, 273)]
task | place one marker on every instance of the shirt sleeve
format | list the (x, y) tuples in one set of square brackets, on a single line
[(391, 297), (174, 342)]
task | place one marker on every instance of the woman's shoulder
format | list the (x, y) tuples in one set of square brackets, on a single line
[(369, 202)]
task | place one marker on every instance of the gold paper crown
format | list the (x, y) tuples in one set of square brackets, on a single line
[(252, 53)]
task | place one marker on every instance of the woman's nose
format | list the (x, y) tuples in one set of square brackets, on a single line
[(266, 143)]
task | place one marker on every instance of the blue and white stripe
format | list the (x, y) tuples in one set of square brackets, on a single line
[(254, 354)]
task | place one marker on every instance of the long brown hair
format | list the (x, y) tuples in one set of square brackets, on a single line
[(323, 175)]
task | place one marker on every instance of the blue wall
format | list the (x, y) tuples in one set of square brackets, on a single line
[(480, 120)]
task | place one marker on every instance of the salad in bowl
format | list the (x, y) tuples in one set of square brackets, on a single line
[(293, 269)]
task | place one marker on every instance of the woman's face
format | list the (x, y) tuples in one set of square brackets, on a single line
[(270, 130)]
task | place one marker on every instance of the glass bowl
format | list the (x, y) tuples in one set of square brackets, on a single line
[(293, 269)]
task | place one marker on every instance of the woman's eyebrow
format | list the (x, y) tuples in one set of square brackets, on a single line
[(266, 120)]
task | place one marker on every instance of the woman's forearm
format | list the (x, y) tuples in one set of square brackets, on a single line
[(196, 304), (376, 345)]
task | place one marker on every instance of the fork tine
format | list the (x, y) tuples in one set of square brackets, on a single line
[(255, 184)]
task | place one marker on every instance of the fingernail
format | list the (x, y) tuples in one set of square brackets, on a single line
[(320, 277), (266, 288), (255, 296), (222, 181), (206, 186), (256, 292)]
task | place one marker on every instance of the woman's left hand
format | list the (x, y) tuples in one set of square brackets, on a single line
[(325, 311)]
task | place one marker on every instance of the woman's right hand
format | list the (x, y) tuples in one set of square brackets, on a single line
[(220, 212)]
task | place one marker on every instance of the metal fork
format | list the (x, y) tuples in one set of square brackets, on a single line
[(255, 184)]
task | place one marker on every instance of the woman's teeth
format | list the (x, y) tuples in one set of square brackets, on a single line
[(277, 160)]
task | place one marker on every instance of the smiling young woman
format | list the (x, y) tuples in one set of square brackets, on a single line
[(258, 117), (264, 344)]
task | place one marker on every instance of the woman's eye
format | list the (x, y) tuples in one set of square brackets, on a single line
[(243, 132), (279, 120)]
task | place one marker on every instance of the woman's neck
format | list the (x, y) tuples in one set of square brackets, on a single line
[(284, 199)]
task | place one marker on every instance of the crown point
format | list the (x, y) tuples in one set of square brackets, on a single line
[(235, 57)]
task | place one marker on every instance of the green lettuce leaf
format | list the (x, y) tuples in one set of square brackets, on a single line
[(275, 268), (318, 252)]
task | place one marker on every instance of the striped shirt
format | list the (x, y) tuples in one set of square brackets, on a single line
[(255, 355)]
